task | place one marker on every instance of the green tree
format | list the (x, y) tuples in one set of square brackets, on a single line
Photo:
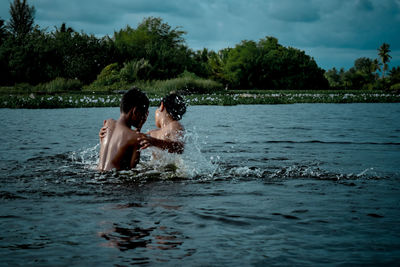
[(334, 79), (22, 18), (383, 53), (44, 56), (364, 65), (240, 63), (198, 63), (269, 65), (157, 42), (78, 55), (365, 70), (300, 71), (216, 63), (18, 50)]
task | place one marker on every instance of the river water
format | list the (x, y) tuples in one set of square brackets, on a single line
[(262, 185)]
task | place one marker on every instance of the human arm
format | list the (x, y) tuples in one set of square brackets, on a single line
[(103, 141), (168, 138), (107, 124), (172, 146)]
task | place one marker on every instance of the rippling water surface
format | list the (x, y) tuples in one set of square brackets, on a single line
[(305, 184)]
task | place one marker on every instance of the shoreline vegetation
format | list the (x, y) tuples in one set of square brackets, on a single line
[(84, 99), (63, 68), (64, 93)]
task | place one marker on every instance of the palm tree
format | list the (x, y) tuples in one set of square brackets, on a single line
[(384, 56)]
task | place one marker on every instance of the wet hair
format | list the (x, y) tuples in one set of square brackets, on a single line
[(175, 106), (134, 98)]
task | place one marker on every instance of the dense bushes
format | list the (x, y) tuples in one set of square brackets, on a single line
[(135, 70), (60, 85), (186, 83), (111, 79), (269, 65)]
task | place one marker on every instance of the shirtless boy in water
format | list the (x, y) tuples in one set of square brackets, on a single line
[(119, 147), (170, 133)]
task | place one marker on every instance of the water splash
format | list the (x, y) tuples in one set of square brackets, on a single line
[(317, 172), (364, 172), (246, 172), (193, 164), (155, 163), (87, 157)]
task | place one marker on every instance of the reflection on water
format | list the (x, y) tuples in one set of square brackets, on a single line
[(141, 237), (133, 236), (127, 239), (257, 185)]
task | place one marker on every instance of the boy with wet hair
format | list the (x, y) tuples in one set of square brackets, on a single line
[(119, 145), (169, 135)]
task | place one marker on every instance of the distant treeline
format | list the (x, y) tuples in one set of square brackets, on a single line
[(156, 51), (367, 73)]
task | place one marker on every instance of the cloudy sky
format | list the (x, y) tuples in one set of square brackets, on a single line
[(334, 32)]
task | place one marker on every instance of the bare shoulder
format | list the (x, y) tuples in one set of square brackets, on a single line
[(110, 123), (131, 136), (174, 130), (176, 126)]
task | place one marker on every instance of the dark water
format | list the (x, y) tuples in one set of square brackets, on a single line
[(307, 184)]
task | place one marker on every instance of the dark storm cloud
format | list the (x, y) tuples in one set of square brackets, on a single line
[(358, 24), (365, 5), (329, 30), (293, 11)]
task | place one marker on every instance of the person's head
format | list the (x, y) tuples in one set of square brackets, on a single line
[(135, 105), (174, 105)]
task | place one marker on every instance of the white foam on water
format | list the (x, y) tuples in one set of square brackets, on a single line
[(155, 162), (246, 172), (88, 157), (364, 172)]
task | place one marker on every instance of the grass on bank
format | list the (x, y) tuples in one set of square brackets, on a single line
[(112, 80), (184, 85), (64, 93)]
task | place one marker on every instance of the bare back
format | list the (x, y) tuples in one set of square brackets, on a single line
[(119, 149)]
